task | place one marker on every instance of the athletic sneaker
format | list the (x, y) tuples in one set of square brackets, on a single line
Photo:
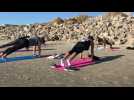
[(96, 58), (62, 63), (56, 56), (38, 56), (34, 55), (54, 66), (50, 57), (71, 69), (59, 56)]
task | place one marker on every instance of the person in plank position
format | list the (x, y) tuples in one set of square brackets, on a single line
[(104, 41), (80, 46), (23, 42)]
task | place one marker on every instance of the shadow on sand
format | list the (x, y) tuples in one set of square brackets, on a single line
[(108, 58), (102, 60)]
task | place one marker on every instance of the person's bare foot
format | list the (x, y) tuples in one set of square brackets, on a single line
[(1, 54), (4, 55)]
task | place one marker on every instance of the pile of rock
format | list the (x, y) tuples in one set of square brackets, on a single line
[(114, 26)]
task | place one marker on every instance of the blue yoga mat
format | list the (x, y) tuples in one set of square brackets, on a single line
[(23, 50), (19, 58)]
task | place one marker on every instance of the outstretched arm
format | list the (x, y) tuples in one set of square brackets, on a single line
[(92, 49)]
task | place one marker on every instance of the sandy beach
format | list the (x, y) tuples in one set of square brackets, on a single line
[(116, 70)]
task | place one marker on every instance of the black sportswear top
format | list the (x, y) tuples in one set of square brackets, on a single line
[(84, 45), (34, 41)]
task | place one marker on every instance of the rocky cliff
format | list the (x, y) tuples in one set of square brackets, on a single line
[(115, 26)]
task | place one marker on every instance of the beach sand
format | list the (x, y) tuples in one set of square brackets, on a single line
[(116, 70)]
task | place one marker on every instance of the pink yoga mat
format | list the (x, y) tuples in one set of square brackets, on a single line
[(78, 63)]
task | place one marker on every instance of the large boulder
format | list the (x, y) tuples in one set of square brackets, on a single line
[(57, 21)]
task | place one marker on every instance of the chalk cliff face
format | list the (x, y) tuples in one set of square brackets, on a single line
[(115, 26)]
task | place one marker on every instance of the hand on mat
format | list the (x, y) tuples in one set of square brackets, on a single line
[(96, 58)]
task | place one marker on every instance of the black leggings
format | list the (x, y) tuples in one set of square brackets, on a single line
[(21, 43)]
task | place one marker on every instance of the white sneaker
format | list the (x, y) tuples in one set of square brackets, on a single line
[(65, 69), (56, 56), (50, 57), (68, 63), (61, 63), (53, 67), (71, 69), (34, 55)]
